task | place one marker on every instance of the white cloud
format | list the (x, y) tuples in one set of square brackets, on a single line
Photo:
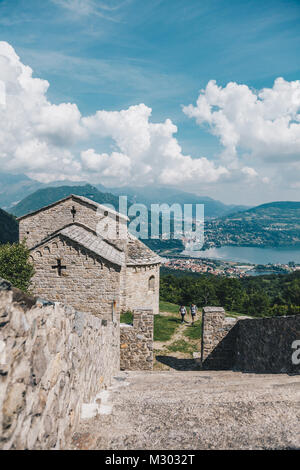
[(88, 8), (49, 142), (261, 126)]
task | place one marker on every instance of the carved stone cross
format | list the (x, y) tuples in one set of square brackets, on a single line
[(59, 267), (73, 212)]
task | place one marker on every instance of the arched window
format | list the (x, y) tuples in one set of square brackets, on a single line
[(151, 283)]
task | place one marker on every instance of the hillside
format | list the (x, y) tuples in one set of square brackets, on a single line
[(14, 188), (8, 228), (44, 197), (275, 224), (158, 195)]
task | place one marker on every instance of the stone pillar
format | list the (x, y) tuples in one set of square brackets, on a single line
[(136, 341), (218, 339)]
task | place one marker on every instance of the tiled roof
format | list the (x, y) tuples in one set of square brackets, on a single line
[(94, 243), (139, 254)]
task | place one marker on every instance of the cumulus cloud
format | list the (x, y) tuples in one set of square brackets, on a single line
[(260, 125), (49, 142)]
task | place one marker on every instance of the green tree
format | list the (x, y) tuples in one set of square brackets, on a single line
[(15, 265)]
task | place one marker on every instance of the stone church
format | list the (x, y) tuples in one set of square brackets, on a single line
[(81, 260)]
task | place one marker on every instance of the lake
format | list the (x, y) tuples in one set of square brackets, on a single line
[(253, 255)]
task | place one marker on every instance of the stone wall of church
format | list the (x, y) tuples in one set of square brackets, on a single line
[(53, 360), (136, 342), (38, 226), (87, 283), (142, 288)]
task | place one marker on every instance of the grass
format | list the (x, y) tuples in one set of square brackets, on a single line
[(164, 327), (232, 314), (183, 346), (168, 307), (126, 317), (194, 332)]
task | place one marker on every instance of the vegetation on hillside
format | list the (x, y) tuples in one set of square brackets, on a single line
[(44, 197), (257, 296), (15, 266), (8, 228), (274, 224)]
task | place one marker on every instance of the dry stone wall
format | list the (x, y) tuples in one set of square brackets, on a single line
[(136, 342), (269, 345), (53, 360), (262, 345), (218, 339)]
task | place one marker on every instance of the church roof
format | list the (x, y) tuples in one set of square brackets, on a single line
[(90, 241), (139, 254), (75, 197), (94, 243)]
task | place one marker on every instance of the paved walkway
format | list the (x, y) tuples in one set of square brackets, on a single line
[(196, 410)]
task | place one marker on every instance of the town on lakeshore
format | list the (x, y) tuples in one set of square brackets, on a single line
[(227, 268)]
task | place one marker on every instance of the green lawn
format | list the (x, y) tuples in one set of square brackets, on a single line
[(194, 332), (164, 327), (168, 307), (183, 347)]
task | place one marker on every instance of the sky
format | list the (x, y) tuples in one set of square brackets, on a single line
[(199, 94)]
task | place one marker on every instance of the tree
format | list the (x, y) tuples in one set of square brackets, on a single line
[(15, 266)]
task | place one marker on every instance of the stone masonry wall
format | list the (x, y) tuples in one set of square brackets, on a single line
[(137, 289), (265, 345), (261, 345), (52, 360), (88, 283), (136, 342), (218, 339), (38, 226)]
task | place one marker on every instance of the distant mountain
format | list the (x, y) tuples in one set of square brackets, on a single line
[(44, 197), (158, 195), (276, 224), (14, 188), (9, 231)]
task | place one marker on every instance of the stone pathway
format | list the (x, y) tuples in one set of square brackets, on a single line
[(166, 360), (196, 410)]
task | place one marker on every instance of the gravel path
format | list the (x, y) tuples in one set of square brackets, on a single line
[(196, 410)]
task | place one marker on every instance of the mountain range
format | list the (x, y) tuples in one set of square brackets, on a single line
[(275, 224), (14, 189)]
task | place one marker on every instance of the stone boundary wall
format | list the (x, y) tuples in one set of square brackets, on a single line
[(261, 345), (136, 342), (53, 360), (218, 339), (265, 345)]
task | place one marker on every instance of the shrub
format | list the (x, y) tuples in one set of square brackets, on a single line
[(15, 266)]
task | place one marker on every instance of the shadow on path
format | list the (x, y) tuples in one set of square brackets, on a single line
[(177, 363)]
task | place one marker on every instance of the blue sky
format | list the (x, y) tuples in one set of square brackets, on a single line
[(114, 54)]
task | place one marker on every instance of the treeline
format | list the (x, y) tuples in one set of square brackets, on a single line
[(270, 295)]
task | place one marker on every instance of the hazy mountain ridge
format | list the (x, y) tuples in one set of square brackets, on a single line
[(168, 195)]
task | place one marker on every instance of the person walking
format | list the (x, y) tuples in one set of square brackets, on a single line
[(182, 312), (193, 310)]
